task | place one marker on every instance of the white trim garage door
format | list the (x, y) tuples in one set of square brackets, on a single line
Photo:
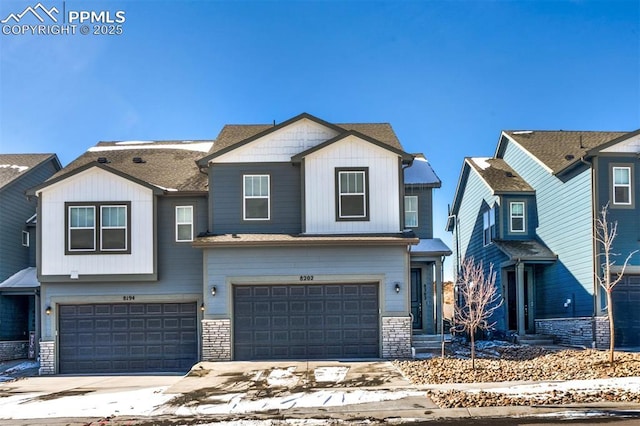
[(300, 321), (126, 338), (626, 312)]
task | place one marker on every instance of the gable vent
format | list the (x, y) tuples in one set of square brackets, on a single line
[(569, 157), (138, 160), (102, 160)]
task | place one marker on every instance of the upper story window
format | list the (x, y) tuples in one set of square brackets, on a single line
[(98, 228), (25, 238), (256, 197), (489, 226), (411, 211), (352, 194), (184, 223), (516, 216), (622, 186)]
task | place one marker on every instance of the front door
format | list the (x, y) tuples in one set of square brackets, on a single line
[(512, 300), (416, 297)]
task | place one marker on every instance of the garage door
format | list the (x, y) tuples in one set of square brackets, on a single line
[(626, 311), (306, 321), (123, 338)]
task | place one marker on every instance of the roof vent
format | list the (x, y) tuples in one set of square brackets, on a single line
[(569, 157), (138, 160), (102, 160), (509, 174)]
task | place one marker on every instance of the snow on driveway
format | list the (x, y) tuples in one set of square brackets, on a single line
[(139, 402)]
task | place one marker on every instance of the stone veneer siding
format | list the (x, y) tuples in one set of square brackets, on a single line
[(576, 331), (18, 349), (396, 337), (47, 358), (216, 340)]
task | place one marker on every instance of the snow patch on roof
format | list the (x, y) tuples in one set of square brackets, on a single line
[(121, 146), (13, 166), (481, 162)]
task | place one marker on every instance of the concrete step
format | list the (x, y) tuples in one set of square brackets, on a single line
[(429, 343), (536, 340)]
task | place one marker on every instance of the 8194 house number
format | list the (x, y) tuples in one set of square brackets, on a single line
[(127, 298)]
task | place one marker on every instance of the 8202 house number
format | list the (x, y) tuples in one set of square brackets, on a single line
[(127, 298), (306, 277)]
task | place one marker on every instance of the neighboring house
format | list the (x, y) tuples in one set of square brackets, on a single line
[(530, 211), (18, 283), (290, 239)]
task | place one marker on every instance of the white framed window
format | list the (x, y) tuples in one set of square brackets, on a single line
[(411, 211), (113, 228), (25, 238), (184, 223), (622, 186), (352, 195), (516, 216), (82, 228), (488, 226), (98, 228), (256, 200)]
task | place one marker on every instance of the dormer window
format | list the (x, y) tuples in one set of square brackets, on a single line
[(516, 216), (622, 186)]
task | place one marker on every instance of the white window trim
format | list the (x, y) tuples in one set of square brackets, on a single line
[(190, 222), (511, 217), (103, 227), (69, 228), (25, 241), (627, 185), (246, 197), (491, 219), (365, 214), (411, 211)]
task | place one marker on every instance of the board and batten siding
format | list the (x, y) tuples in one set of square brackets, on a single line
[(565, 226), (15, 209), (286, 265), (320, 188), (425, 210), (96, 185), (280, 145), (226, 198)]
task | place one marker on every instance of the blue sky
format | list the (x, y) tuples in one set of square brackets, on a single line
[(448, 75)]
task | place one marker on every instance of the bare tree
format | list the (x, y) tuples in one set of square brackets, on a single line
[(479, 298), (605, 233)]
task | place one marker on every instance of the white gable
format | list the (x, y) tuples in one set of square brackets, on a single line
[(281, 145), (630, 145)]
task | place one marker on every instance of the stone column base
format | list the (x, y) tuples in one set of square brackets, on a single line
[(396, 337), (47, 358), (216, 340)]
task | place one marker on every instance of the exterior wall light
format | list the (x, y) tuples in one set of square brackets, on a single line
[(202, 306), (48, 310), (213, 290), (397, 287)]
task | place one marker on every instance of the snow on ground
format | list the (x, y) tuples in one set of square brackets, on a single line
[(140, 402), (22, 366), (631, 384), (237, 404)]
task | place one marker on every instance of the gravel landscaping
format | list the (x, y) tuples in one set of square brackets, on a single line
[(501, 362)]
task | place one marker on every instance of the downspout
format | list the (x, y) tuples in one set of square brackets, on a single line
[(594, 250)]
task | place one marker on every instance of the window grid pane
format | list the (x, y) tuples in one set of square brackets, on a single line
[(517, 217), (411, 211), (256, 197), (184, 223), (622, 185)]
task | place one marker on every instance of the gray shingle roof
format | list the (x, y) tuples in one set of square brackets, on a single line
[(301, 240), (12, 166), (236, 134), (499, 175), (531, 250), (561, 149), (165, 164), (421, 173)]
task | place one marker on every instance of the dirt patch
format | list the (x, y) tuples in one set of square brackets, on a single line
[(62, 394)]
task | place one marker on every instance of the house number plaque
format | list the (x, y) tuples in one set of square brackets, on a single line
[(128, 298), (306, 277)]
